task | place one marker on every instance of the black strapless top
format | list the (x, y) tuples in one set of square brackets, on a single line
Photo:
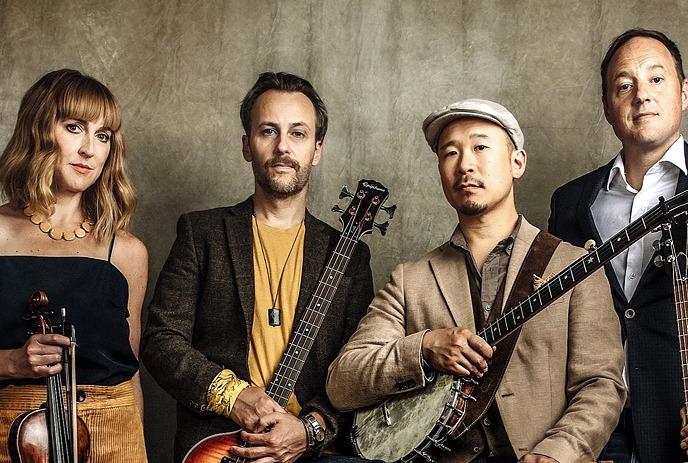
[(95, 294)]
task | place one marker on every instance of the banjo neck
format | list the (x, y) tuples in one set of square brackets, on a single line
[(556, 286)]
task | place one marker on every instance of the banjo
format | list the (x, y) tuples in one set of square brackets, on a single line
[(421, 423)]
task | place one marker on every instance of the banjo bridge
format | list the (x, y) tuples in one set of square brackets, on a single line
[(385, 414)]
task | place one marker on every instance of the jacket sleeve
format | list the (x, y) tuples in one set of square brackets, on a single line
[(552, 222), (594, 387), (166, 348), (380, 359), (360, 295)]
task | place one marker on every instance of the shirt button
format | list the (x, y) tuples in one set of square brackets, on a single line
[(629, 313), (486, 421), (476, 449), (632, 276)]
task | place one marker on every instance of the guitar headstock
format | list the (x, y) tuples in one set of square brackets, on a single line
[(358, 218)]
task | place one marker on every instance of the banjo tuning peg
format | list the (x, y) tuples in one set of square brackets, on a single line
[(658, 261)]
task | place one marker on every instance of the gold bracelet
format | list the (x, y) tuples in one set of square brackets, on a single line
[(223, 392)]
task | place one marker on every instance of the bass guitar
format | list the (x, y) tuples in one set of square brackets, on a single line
[(448, 407), (357, 219)]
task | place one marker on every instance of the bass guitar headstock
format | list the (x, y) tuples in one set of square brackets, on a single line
[(358, 218)]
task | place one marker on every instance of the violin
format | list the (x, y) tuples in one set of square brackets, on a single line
[(52, 433)]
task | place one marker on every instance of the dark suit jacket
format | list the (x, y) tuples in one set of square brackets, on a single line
[(201, 316), (649, 329)]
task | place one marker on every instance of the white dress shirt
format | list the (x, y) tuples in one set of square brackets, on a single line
[(618, 204)]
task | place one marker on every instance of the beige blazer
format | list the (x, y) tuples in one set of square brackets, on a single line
[(562, 393)]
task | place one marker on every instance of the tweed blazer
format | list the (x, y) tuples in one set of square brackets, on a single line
[(201, 316), (562, 392), (648, 323)]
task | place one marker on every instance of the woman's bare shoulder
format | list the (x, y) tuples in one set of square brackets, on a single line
[(130, 255)]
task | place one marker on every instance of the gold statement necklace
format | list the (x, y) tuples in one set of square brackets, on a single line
[(274, 312), (54, 232)]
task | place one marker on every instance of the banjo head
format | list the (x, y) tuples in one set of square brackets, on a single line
[(392, 429)]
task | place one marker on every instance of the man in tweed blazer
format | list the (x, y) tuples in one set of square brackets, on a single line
[(201, 333), (562, 393)]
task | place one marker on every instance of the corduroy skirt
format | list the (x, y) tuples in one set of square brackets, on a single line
[(110, 414)]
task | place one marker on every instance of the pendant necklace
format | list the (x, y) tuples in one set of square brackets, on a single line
[(274, 312)]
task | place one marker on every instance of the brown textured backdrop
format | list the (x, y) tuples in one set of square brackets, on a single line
[(180, 69)]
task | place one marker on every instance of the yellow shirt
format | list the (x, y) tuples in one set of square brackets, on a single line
[(268, 343)]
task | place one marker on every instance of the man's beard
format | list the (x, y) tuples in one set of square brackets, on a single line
[(472, 208), (280, 185)]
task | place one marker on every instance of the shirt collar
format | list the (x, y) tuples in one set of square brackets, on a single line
[(458, 239), (674, 156)]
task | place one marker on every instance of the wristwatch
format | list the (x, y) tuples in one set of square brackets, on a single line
[(315, 434)]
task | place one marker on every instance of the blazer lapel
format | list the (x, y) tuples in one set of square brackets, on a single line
[(524, 238), (584, 213), (682, 184), (588, 196), (315, 246), (240, 244), (451, 274)]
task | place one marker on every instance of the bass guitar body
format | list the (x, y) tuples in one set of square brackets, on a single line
[(214, 449)]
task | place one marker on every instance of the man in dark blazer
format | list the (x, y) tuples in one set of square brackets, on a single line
[(644, 92), (208, 334)]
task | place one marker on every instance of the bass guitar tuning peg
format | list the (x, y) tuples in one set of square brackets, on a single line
[(389, 210), (345, 193), (382, 227), (336, 208)]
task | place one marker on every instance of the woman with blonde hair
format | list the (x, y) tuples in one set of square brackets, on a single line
[(64, 230)]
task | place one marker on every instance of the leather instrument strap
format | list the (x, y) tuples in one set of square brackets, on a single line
[(535, 262)]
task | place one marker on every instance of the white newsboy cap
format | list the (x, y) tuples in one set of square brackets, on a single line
[(472, 107)]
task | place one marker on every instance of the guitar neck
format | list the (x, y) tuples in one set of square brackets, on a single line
[(284, 379), (681, 304), (565, 280)]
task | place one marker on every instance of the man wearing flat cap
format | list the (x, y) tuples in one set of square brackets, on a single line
[(561, 392)]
